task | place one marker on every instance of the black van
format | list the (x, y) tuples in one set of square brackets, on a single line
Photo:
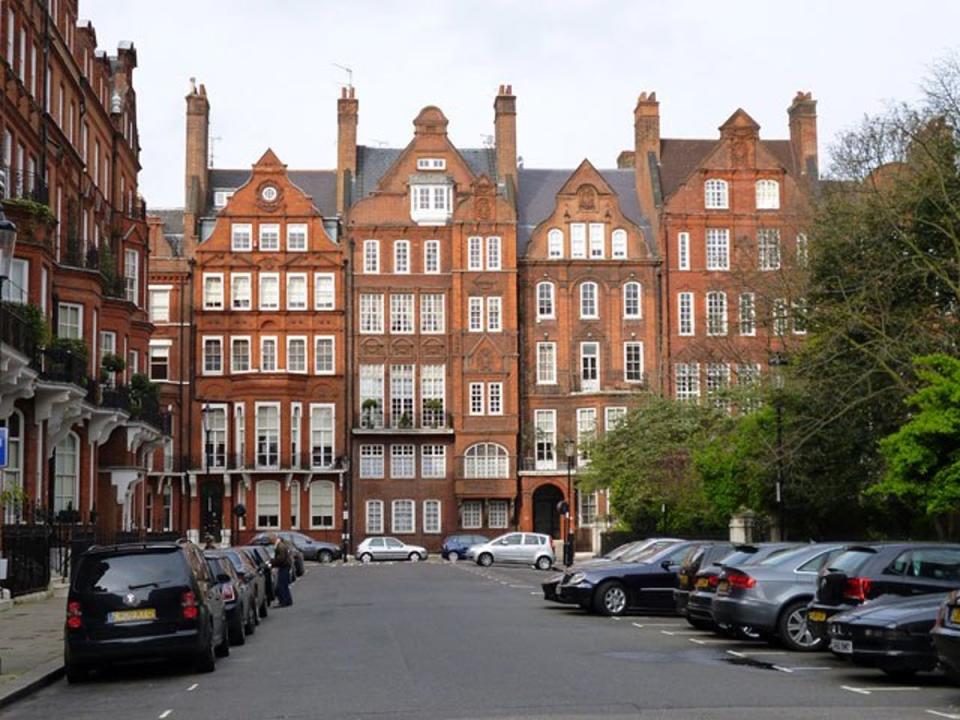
[(143, 601)]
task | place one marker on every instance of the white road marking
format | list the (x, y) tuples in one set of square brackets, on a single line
[(864, 691), (193, 687), (683, 632), (534, 593), (646, 625), (944, 715), (745, 653), (782, 669), (859, 691), (811, 668), (709, 641), (165, 713)]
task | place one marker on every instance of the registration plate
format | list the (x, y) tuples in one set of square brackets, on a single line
[(844, 647), (817, 616), (684, 581), (125, 616), (723, 588), (702, 583), (955, 616)]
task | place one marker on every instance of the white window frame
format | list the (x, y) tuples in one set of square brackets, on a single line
[(687, 381), (494, 313), (767, 194), (371, 317), (429, 526), (597, 241), (494, 257), (613, 415), (69, 330), (683, 251), (495, 398), (484, 460), (236, 301), (471, 514), (551, 299), (216, 437), (716, 194), (546, 373), (302, 339), (545, 439), (323, 437), (293, 303), (431, 257), (324, 291), (212, 296), (747, 314), (578, 241), (403, 461), (635, 314), (318, 487), (371, 457), (371, 257), (402, 313), (257, 406), (555, 244), (260, 504), (261, 278), (317, 355), (718, 249), (401, 257), (475, 313), (768, 249), (618, 244), (265, 230), (717, 317), (237, 232), (295, 492), (474, 253), (264, 339), (686, 316), (475, 397), (589, 384), (295, 230), (373, 517), (203, 361), (432, 314), (586, 314), (234, 339), (627, 347), (131, 276), (433, 464), (497, 509), (404, 529)]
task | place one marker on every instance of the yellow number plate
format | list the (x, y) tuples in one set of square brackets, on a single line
[(955, 616), (124, 616), (817, 616), (702, 583), (684, 581)]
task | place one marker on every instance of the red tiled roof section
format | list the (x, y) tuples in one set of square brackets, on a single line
[(679, 158)]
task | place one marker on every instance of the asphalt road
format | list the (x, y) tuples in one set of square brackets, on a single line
[(436, 640)]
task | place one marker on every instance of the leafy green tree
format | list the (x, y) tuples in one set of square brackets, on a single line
[(923, 456)]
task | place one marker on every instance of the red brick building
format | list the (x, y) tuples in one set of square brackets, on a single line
[(79, 426)]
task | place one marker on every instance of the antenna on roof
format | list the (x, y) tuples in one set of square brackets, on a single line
[(487, 140), (214, 139), (348, 71)]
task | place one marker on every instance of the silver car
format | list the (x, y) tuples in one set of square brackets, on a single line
[(388, 548), (770, 597), (516, 547)]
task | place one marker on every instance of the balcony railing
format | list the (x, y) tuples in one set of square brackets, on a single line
[(24, 185), (59, 365), (371, 419), (17, 332), (78, 255)]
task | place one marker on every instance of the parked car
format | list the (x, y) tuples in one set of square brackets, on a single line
[(891, 633), (455, 546), (946, 634), (314, 550), (259, 555), (770, 596), (864, 572), (143, 601), (388, 548), (614, 588), (701, 556), (525, 548), (633, 551), (700, 600), (251, 576), (236, 595)]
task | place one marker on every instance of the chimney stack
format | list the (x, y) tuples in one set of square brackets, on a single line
[(803, 133), (197, 177), (505, 129), (646, 160), (347, 117)]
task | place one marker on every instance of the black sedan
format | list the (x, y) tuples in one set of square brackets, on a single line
[(946, 634), (702, 557), (891, 634), (865, 572), (613, 588)]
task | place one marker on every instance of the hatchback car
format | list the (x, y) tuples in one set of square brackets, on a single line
[(251, 576), (315, 550), (770, 596), (703, 556), (865, 572), (388, 548), (613, 589), (524, 548), (455, 546), (891, 633), (261, 558), (143, 601), (237, 595)]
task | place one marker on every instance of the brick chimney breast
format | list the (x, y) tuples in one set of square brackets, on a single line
[(803, 133)]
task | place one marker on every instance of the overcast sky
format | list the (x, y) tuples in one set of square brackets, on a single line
[(576, 68)]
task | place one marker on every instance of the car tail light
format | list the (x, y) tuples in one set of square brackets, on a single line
[(713, 580), (74, 615), (189, 604), (741, 581), (227, 592), (857, 588)]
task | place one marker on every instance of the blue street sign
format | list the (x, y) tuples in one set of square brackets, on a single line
[(3, 447)]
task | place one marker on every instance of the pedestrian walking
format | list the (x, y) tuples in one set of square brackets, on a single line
[(283, 561)]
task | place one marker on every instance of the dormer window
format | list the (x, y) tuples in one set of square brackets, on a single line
[(715, 193), (431, 164), (431, 204), (220, 197)]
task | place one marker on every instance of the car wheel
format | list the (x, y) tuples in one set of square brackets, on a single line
[(76, 673), (366, 558), (325, 557), (238, 633), (223, 649), (264, 609), (250, 627), (793, 631), (206, 660), (453, 556), (901, 674), (414, 557), (610, 599), (701, 624), (544, 563), (485, 559)]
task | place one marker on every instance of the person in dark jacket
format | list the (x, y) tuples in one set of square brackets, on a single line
[(283, 562)]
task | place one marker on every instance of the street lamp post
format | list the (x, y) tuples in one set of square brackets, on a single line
[(777, 362), (570, 451)]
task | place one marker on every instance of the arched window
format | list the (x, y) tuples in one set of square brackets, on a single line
[(268, 504), (321, 504), (555, 244), (486, 460), (618, 244), (66, 474), (545, 301), (13, 473), (715, 194), (768, 195), (632, 307), (588, 300)]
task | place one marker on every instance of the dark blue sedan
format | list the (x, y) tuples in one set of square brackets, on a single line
[(457, 545)]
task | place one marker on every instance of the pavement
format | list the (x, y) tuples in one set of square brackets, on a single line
[(438, 640), (31, 644)]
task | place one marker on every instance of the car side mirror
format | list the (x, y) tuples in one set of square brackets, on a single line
[(223, 578), (667, 564)]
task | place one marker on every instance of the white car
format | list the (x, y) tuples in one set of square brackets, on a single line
[(516, 547), (388, 548)]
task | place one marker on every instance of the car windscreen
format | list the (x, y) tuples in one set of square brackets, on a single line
[(621, 550), (737, 557), (237, 561), (785, 555), (122, 573), (644, 554), (850, 561)]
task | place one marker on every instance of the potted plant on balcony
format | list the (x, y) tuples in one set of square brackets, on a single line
[(370, 408), (433, 412), (406, 421), (113, 363)]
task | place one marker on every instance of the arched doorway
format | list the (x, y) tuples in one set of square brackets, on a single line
[(546, 517)]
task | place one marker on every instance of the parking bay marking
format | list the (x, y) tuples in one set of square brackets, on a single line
[(864, 691), (193, 687), (699, 633), (646, 625), (944, 715), (165, 713), (746, 653)]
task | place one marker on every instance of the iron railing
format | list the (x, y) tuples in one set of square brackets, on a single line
[(24, 185)]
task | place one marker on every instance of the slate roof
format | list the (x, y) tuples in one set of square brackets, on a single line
[(172, 219), (537, 199), (321, 185), (373, 163)]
